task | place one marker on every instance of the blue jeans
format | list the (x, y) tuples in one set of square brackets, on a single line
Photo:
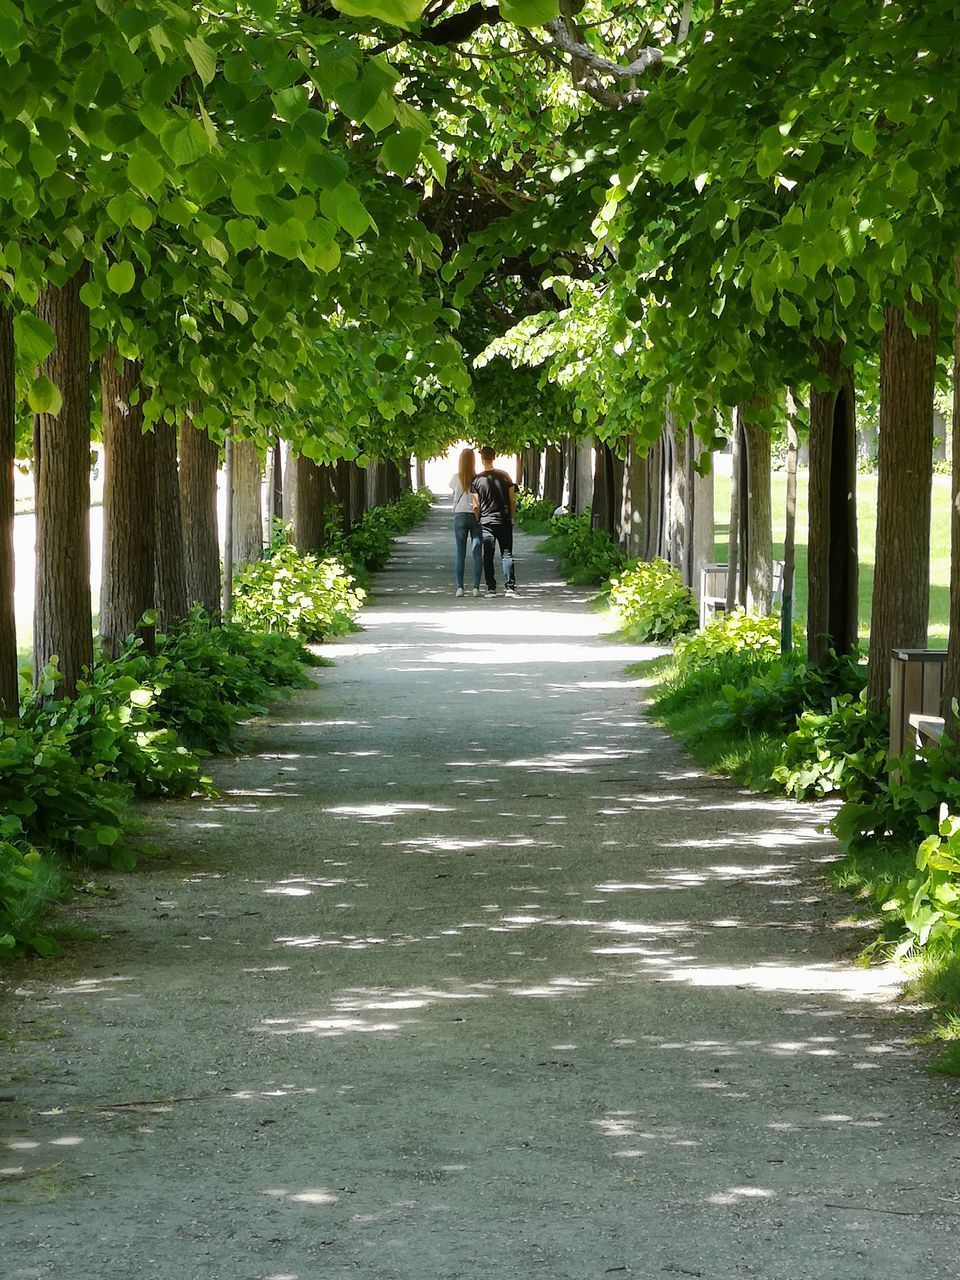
[(495, 535), (466, 523)]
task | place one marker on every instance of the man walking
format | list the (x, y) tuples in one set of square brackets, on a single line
[(494, 503)]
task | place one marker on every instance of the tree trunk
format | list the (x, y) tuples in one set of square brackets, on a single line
[(314, 498), (289, 468), (678, 501), (421, 473), (634, 504), (9, 684), (951, 689), (377, 485), (229, 523), (247, 521), (901, 582), (358, 492), (758, 563), (531, 470), (129, 523), (655, 502), (62, 620), (553, 475), (269, 496), (393, 484), (583, 473), (199, 462), (277, 485), (790, 528), (602, 502), (703, 536), (343, 493), (832, 561), (733, 536), (171, 580)]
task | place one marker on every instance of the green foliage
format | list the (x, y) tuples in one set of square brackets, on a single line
[(736, 632), (928, 903), (114, 729), (781, 690), (301, 595), (652, 602), (584, 555), (533, 514), (842, 751), (28, 882), (48, 798)]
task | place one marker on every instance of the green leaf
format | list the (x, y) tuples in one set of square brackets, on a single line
[(789, 313), (145, 173), (33, 337), (400, 13), (121, 277), (184, 141), (290, 104), (864, 139), (44, 397), (202, 57), (401, 151), (846, 290), (530, 13)]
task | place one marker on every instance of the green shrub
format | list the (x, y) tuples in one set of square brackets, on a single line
[(28, 882), (841, 751), (927, 904), (114, 730), (652, 602), (306, 597), (48, 798), (584, 555), (773, 696), (736, 632), (902, 806), (533, 514)]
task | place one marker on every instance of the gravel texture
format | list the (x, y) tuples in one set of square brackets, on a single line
[(471, 973)]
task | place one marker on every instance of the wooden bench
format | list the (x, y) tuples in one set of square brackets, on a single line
[(713, 589), (928, 730), (916, 694)]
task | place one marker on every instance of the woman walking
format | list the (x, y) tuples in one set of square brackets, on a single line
[(465, 523)]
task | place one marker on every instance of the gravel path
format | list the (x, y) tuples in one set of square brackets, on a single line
[(469, 973)]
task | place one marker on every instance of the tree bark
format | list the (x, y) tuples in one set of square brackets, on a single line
[(312, 500), (62, 620), (703, 537), (655, 501), (199, 462), (901, 582), (832, 560), (951, 688), (377, 484), (247, 520), (358, 492), (678, 497), (531, 470), (583, 472), (602, 502), (343, 492), (759, 558), (9, 683), (393, 480), (790, 528), (634, 504), (171, 579), (553, 475), (733, 537), (129, 497)]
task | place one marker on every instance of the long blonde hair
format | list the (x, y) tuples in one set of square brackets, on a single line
[(467, 470)]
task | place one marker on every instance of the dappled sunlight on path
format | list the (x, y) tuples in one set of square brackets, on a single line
[(469, 972)]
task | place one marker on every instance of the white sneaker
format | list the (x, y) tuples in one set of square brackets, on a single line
[(476, 591), (510, 591), (459, 591), (488, 592)]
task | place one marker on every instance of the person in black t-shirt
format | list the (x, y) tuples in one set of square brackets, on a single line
[(494, 502)]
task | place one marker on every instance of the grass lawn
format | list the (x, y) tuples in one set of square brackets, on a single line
[(867, 520)]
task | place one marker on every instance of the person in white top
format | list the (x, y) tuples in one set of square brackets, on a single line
[(465, 523)]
